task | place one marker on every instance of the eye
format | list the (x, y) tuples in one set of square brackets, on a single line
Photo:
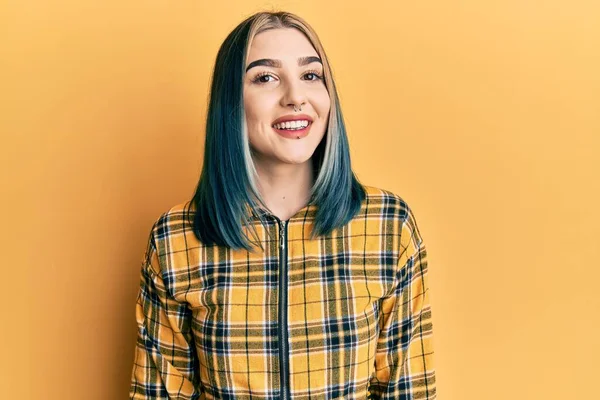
[(261, 78), (315, 76)]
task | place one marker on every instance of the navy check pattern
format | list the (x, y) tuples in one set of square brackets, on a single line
[(359, 317)]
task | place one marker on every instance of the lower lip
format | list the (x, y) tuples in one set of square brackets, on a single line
[(297, 134)]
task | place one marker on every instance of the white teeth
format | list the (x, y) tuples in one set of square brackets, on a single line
[(292, 125)]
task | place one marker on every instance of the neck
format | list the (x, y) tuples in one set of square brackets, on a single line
[(285, 188)]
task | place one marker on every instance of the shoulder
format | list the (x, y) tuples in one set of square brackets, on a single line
[(390, 205), (172, 220), (172, 228), (387, 203), (170, 238)]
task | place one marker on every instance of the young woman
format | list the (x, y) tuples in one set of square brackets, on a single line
[(283, 277)]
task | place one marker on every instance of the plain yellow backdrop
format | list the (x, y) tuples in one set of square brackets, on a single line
[(482, 115)]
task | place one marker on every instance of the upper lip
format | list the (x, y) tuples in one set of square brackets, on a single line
[(292, 117)]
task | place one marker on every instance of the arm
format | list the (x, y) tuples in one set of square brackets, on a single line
[(165, 365), (404, 367)]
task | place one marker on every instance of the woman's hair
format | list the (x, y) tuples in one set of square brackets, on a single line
[(227, 196)]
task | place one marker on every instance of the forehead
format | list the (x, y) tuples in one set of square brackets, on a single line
[(287, 43)]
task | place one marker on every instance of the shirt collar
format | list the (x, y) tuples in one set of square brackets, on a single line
[(305, 213)]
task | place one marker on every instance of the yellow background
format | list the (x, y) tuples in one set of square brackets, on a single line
[(483, 115)]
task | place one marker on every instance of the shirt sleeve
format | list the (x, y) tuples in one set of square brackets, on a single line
[(404, 367), (165, 364)]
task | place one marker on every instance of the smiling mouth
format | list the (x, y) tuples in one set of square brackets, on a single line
[(292, 125), (292, 132)]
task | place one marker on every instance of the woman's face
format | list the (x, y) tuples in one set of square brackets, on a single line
[(283, 70)]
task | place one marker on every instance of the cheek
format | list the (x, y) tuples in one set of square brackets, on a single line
[(258, 107), (323, 104), (250, 109)]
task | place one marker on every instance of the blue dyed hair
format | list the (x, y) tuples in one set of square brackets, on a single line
[(227, 187)]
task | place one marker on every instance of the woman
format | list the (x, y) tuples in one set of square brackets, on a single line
[(283, 277)]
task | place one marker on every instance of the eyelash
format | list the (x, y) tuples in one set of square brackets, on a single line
[(312, 72)]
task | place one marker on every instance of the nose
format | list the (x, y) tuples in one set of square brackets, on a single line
[(293, 94)]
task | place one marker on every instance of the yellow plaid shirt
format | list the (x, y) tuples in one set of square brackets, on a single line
[(344, 316)]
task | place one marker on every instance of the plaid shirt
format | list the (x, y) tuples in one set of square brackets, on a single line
[(345, 316)]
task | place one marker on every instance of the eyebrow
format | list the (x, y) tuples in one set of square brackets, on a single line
[(269, 62)]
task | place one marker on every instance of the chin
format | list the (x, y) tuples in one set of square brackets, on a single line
[(296, 161), (299, 159)]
